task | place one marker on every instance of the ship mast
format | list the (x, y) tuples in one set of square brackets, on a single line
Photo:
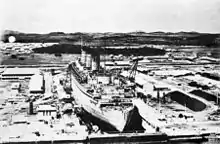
[(81, 41)]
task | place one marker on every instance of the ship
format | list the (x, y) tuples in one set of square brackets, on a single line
[(104, 96)]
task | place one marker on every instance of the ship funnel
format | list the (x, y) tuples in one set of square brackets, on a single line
[(83, 56), (95, 61), (89, 61)]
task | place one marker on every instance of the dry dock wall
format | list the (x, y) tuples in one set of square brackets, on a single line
[(130, 139), (120, 138), (103, 139)]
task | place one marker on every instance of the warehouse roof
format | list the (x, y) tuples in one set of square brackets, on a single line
[(144, 61), (18, 71), (173, 72), (19, 119), (109, 63), (127, 63), (36, 83), (46, 107)]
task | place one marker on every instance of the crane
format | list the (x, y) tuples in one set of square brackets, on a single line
[(134, 68)]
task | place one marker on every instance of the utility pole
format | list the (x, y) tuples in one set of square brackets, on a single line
[(158, 98)]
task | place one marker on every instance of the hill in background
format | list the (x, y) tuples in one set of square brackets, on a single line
[(118, 39)]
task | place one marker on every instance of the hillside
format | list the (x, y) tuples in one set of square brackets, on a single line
[(76, 49), (119, 39)]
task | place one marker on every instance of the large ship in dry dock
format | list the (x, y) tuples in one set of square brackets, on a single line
[(105, 98)]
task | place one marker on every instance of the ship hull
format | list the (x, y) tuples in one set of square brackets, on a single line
[(90, 118), (92, 113)]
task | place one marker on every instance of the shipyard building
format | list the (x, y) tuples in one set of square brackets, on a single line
[(45, 112), (37, 84), (18, 73)]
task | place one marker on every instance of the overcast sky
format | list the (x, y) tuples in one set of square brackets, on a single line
[(44, 16)]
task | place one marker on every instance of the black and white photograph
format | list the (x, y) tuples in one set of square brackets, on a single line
[(110, 71)]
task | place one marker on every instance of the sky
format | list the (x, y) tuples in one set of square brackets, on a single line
[(43, 16)]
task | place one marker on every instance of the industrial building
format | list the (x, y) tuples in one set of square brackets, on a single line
[(18, 73), (15, 86), (37, 84), (116, 64), (46, 112)]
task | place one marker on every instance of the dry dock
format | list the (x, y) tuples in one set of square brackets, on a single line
[(165, 131)]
